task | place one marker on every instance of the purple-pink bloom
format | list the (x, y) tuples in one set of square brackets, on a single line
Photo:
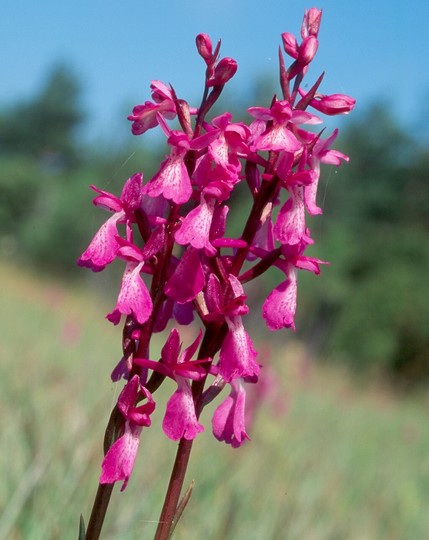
[(307, 50), (195, 227), (172, 180), (280, 306), (264, 238), (187, 279), (321, 153), (104, 246), (229, 143), (172, 233), (237, 356), (129, 200), (122, 369), (228, 300), (228, 421), (119, 461), (278, 136), (145, 116), (180, 418), (290, 224), (134, 298)]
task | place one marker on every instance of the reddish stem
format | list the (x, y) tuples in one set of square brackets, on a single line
[(166, 519), (99, 510), (211, 343)]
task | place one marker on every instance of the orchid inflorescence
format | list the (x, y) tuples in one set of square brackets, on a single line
[(173, 232)]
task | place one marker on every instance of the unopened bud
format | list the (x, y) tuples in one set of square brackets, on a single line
[(311, 22), (307, 50), (224, 71), (204, 47), (290, 45), (333, 104)]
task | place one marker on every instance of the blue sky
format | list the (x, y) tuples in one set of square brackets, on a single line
[(368, 48)]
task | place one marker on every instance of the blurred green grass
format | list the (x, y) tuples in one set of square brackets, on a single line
[(344, 462)]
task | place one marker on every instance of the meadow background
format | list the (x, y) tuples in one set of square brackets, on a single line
[(340, 450), (329, 458)]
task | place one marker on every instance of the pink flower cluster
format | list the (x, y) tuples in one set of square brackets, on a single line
[(188, 268)]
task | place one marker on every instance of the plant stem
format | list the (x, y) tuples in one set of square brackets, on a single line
[(166, 520), (102, 498), (212, 341), (99, 510)]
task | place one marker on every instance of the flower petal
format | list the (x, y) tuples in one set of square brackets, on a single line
[(172, 181), (188, 278), (134, 298), (119, 461), (103, 247), (195, 228), (280, 306), (228, 419), (180, 419), (237, 355)]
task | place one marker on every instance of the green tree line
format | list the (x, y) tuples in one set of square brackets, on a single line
[(369, 309)]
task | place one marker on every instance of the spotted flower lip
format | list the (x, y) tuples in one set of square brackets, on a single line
[(134, 298), (228, 420), (188, 279), (196, 226), (172, 181), (119, 461), (237, 355), (103, 248), (280, 306)]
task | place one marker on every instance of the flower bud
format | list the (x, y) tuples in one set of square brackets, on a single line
[(311, 22), (204, 47), (290, 44), (224, 71), (333, 104), (307, 50)]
